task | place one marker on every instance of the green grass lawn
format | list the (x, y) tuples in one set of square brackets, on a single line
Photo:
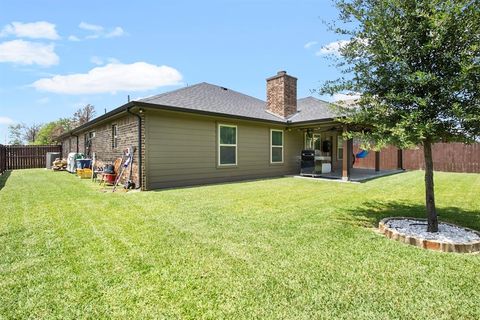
[(272, 249)]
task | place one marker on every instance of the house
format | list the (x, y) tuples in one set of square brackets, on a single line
[(208, 134)]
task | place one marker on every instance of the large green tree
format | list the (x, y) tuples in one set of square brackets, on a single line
[(49, 132), (416, 64)]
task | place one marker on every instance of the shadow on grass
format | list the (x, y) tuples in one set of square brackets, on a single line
[(3, 178), (217, 183), (371, 212)]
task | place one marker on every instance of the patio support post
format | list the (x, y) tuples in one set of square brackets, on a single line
[(377, 161), (400, 159), (346, 162), (345, 170)]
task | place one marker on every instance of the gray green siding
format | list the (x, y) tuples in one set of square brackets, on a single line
[(181, 150)]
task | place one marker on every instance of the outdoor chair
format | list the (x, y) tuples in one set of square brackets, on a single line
[(106, 177)]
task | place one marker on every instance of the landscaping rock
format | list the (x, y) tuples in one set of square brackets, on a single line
[(449, 238)]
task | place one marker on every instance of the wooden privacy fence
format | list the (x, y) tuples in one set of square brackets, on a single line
[(388, 158), (25, 157), (448, 157)]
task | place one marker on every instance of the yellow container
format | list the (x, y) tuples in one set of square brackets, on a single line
[(85, 173)]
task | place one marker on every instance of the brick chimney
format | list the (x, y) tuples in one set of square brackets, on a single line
[(282, 94)]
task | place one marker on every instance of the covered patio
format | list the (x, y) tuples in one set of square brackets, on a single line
[(334, 156)]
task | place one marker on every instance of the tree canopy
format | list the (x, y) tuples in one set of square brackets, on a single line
[(416, 65), (83, 115), (49, 132)]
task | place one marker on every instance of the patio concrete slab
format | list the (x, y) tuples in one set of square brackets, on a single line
[(356, 175)]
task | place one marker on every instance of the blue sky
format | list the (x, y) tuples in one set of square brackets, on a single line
[(56, 56)]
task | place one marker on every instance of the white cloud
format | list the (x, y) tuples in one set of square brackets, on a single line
[(96, 60), (112, 78), (34, 30), (113, 60), (73, 38), (310, 44), (90, 27), (345, 97), (26, 52), (97, 31), (333, 48), (117, 32), (6, 120)]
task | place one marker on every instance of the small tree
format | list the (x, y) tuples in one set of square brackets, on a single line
[(83, 115), (417, 66), (15, 134), (30, 132)]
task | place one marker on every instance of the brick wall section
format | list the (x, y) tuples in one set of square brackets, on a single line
[(65, 147), (127, 133), (282, 94), (69, 144)]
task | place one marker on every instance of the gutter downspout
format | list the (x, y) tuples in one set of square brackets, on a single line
[(140, 168)]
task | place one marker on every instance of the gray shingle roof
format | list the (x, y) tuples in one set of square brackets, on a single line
[(212, 98), (311, 108)]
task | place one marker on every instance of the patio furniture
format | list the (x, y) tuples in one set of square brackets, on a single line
[(109, 178), (362, 154)]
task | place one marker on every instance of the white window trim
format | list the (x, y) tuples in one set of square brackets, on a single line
[(227, 145), (272, 146)]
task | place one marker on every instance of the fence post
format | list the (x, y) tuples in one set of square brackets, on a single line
[(3, 159), (400, 159), (377, 161)]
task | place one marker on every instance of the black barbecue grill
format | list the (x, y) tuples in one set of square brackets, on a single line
[(308, 162)]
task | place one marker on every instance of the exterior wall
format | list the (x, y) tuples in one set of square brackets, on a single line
[(127, 133), (65, 147), (69, 144), (182, 150), (282, 94)]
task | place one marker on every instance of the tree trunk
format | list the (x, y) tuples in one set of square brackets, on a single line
[(429, 188)]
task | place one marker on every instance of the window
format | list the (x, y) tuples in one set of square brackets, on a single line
[(340, 147), (227, 145), (114, 136), (276, 146)]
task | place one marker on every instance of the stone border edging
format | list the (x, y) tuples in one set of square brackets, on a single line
[(461, 247)]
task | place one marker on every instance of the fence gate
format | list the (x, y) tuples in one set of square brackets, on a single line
[(24, 157)]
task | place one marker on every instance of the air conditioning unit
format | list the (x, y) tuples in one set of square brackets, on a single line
[(51, 156)]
